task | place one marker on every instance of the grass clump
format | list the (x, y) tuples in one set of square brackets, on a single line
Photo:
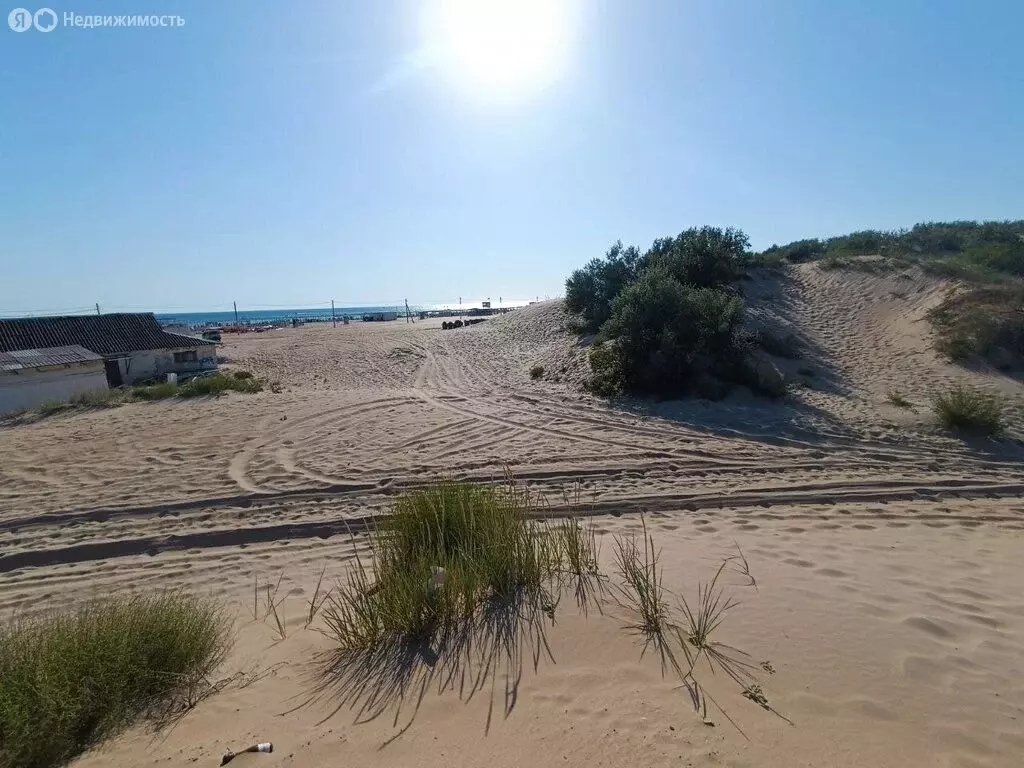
[(96, 398), (969, 409), (669, 321), (218, 384), (69, 680), (444, 553), (641, 576), (986, 323), (154, 391), (51, 407), (537, 372)]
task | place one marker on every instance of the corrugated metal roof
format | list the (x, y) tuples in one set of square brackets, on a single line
[(37, 358), (106, 335)]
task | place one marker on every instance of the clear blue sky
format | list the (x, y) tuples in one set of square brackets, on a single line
[(288, 153)]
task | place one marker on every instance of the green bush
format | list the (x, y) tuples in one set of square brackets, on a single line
[(446, 551), (969, 409), (707, 257), (589, 291), (606, 370), (984, 322), (970, 250), (796, 252), (69, 680), (537, 372), (666, 331)]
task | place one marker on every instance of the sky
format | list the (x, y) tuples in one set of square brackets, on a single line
[(286, 154)]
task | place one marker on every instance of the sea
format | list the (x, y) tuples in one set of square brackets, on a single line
[(312, 314), (267, 316)]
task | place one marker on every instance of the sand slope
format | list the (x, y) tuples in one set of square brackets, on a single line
[(886, 551)]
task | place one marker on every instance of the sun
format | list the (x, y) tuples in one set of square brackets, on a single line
[(502, 49)]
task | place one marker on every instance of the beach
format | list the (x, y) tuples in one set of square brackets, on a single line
[(886, 551)]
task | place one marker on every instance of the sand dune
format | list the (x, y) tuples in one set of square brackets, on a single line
[(886, 551)]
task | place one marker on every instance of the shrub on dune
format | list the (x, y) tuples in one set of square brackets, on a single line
[(68, 680), (969, 409)]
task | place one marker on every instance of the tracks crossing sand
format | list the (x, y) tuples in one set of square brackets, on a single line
[(859, 518)]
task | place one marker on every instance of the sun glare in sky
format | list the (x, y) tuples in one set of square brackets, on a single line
[(500, 49)]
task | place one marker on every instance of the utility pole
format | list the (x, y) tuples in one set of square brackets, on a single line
[(334, 320), (408, 314), (460, 308), (97, 308), (235, 303)]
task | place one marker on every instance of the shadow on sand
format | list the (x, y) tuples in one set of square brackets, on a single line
[(485, 656)]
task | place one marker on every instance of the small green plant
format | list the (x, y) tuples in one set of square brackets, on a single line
[(537, 372), (242, 375), (275, 607), (50, 407), (705, 616), (897, 399), (155, 391), (69, 680), (969, 409), (442, 554), (320, 596), (641, 574)]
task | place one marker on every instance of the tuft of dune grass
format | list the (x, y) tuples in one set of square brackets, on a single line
[(70, 679), (443, 553), (969, 409)]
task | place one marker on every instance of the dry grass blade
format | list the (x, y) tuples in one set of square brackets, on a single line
[(318, 600), (742, 567), (272, 606)]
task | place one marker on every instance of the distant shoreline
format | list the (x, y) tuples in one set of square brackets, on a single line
[(313, 314)]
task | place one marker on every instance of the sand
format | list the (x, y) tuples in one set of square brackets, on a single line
[(889, 594)]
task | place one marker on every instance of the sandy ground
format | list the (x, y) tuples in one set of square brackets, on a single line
[(887, 553)]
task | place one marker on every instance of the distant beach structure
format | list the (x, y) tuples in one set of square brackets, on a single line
[(379, 317)]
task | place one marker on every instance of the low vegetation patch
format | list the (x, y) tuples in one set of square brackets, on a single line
[(969, 409), (984, 323), (215, 385), (537, 372), (444, 554), (69, 680), (456, 569), (669, 321)]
